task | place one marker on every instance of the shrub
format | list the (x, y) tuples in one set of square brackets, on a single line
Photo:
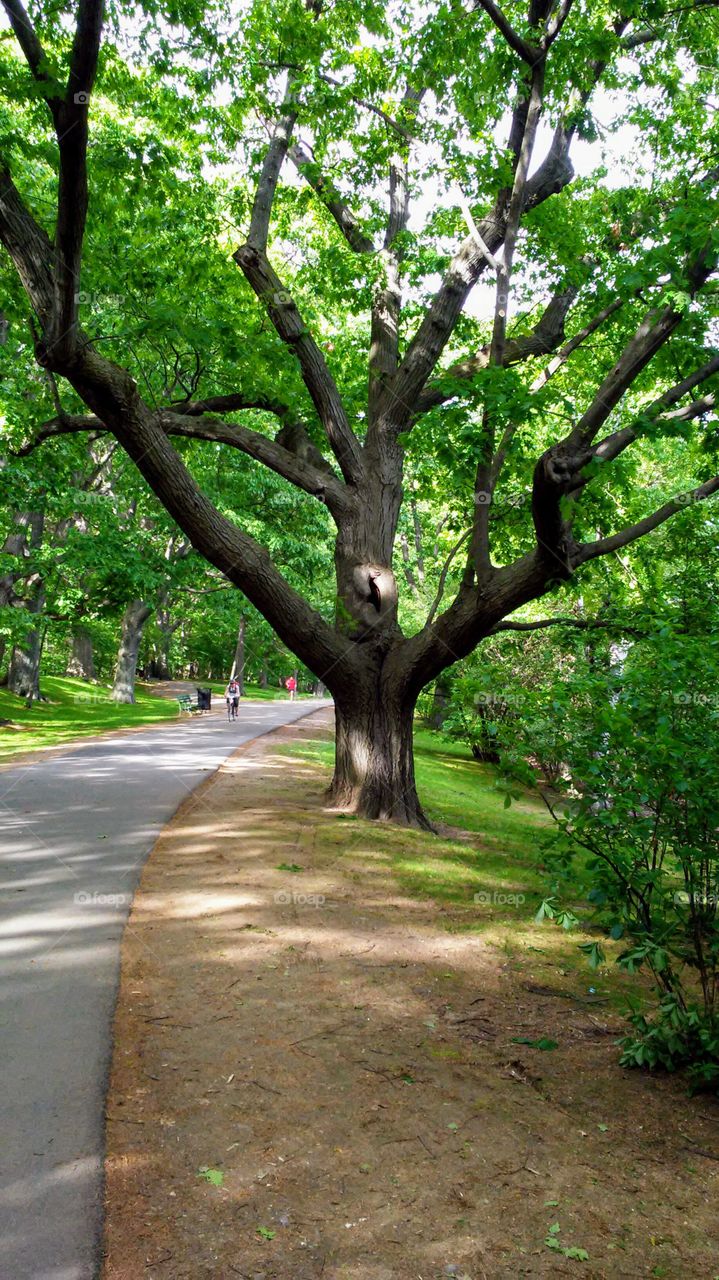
[(638, 798)]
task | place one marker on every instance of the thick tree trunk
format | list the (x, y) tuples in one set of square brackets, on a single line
[(23, 677), (81, 663), (374, 757), (133, 621)]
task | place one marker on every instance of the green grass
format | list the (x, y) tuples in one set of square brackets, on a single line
[(75, 709), (457, 792), (503, 864)]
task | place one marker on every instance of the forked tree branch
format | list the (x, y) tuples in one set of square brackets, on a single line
[(446, 306), (69, 113), (331, 199), (252, 259), (662, 409), (544, 338), (293, 331), (529, 53), (320, 483), (304, 474), (479, 558), (440, 318), (387, 299)]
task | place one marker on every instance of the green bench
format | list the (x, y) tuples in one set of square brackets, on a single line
[(186, 704)]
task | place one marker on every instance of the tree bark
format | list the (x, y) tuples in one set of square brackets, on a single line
[(374, 758), (82, 663), (133, 621), (23, 588), (23, 677), (440, 702)]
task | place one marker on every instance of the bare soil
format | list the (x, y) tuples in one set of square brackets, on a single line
[(344, 1062)]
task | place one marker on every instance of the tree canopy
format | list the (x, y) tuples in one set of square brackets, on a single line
[(427, 287)]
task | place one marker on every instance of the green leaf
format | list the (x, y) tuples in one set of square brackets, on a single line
[(544, 1043)]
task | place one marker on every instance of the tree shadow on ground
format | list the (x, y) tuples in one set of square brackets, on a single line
[(294, 1017)]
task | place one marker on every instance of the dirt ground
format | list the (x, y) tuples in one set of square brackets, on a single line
[(342, 1067)]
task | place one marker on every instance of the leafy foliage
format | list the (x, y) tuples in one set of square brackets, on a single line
[(635, 807)]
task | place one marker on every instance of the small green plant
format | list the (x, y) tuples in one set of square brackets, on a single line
[(544, 1043), (677, 1035), (567, 1251)]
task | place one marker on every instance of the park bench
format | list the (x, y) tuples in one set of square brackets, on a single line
[(186, 704)]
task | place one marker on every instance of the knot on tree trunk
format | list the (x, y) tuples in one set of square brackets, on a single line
[(370, 598)]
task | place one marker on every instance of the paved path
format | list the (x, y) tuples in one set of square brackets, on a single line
[(74, 832)]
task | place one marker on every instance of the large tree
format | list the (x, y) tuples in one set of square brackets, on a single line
[(608, 286)]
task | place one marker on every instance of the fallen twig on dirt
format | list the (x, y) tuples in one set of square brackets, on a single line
[(327, 1032)]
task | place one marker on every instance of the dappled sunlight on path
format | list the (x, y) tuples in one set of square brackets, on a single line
[(76, 827)]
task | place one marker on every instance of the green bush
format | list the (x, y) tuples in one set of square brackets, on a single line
[(637, 796)]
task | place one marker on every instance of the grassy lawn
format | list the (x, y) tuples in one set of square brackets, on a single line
[(75, 709), (457, 792), (491, 885)]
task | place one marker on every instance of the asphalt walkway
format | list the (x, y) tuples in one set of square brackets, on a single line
[(75, 829)]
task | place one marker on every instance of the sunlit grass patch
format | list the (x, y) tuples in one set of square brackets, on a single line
[(491, 885), (74, 709)]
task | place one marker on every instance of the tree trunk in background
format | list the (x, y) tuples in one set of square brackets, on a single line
[(263, 678), (133, 621), (82, 663), (238, 666), (22, 587), (160, 663), (440, 702), (23, 678)]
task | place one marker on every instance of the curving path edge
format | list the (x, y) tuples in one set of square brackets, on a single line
[(76, 829)]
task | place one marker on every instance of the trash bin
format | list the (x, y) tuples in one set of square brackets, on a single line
[(204, 699)]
